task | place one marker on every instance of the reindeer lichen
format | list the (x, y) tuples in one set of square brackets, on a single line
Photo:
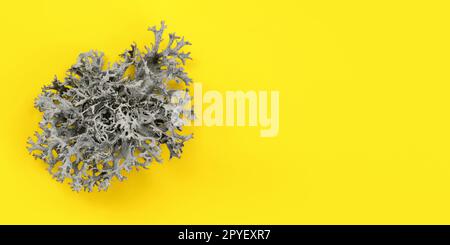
[(101, 122)]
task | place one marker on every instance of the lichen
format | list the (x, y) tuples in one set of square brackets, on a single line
[(100, 122)]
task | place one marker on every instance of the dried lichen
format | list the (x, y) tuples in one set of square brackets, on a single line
[(100, 122)]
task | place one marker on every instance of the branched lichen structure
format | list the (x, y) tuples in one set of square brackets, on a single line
[(100, 122)]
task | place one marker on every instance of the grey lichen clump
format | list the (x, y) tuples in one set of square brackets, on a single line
[(101, 122)]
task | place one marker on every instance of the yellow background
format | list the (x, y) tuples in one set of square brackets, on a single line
[(364, 112)]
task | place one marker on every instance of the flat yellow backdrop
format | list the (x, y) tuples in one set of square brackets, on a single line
[(364, 112)]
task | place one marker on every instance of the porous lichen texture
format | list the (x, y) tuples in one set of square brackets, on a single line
[(101, 122)]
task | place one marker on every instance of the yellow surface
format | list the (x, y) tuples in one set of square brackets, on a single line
[(364, 112)]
